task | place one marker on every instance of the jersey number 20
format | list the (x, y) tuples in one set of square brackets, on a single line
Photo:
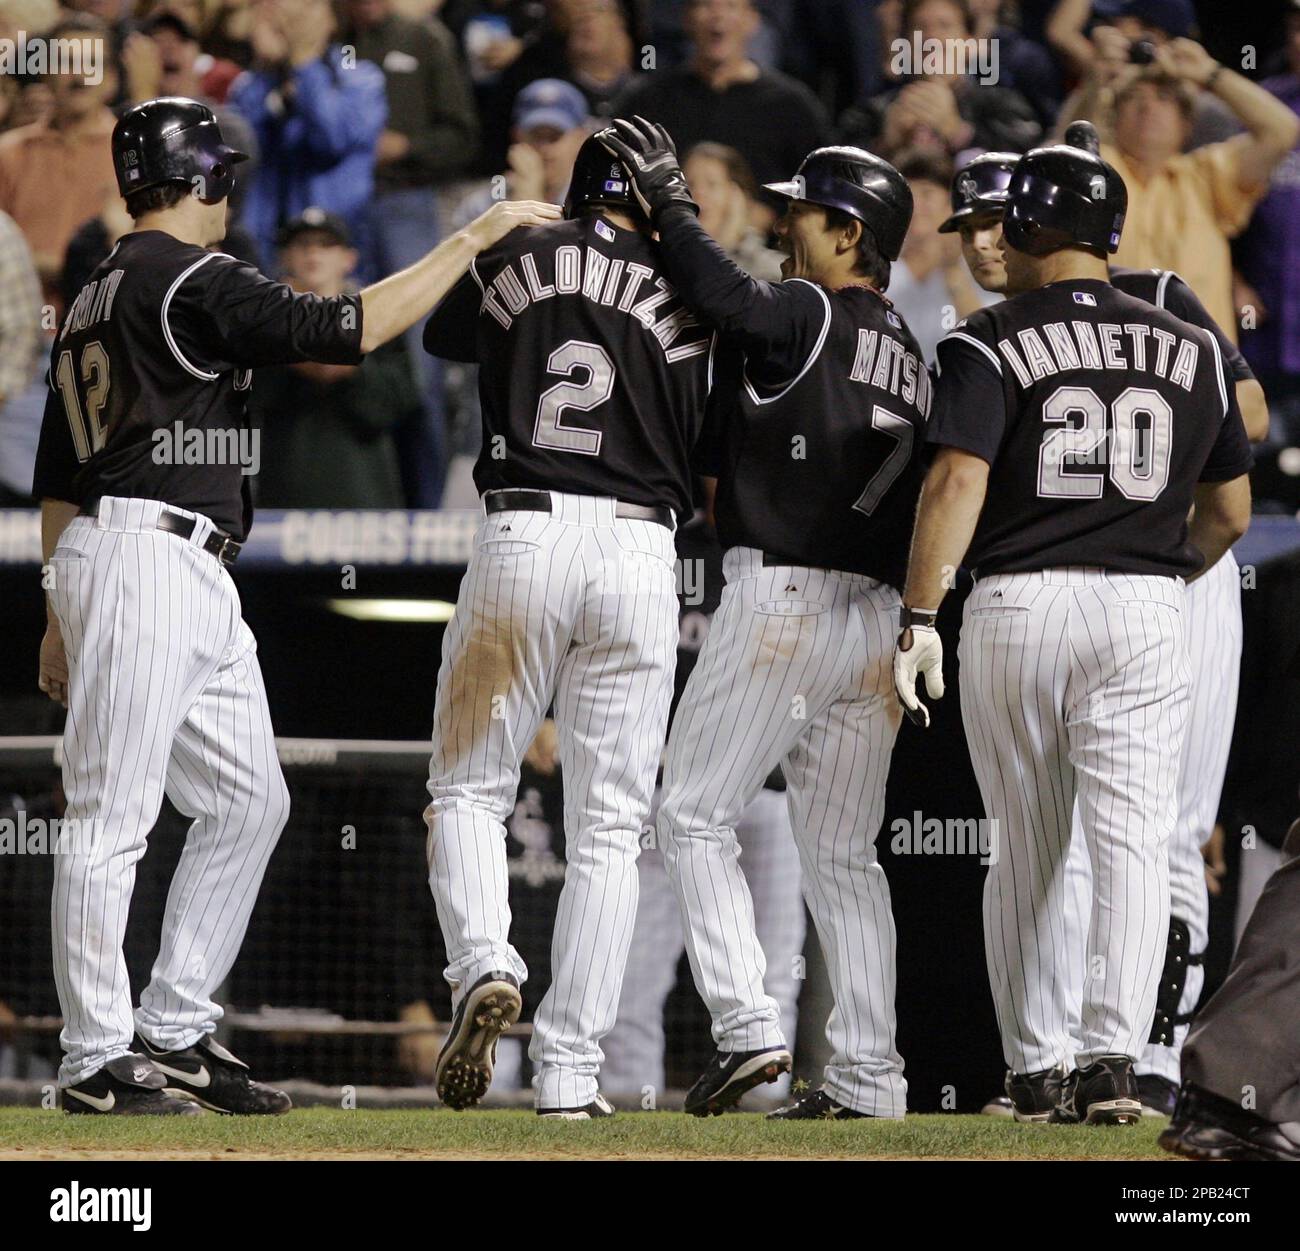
[(1137, 459), (87, 429)]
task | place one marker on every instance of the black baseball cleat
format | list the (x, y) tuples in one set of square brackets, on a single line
[(490, 1007), (599, 1107), (817, 1106), (209, 1074), (1207, 1126), (1104, 1093), (1033, 1096), (730, 1074), (1158, 1095), (127, 1086), (999, 1105)]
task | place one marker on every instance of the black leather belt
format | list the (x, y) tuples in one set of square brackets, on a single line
[(218, 543), (540, 502), (771, 559)]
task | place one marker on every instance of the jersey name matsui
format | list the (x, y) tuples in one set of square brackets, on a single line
[(884, 362)]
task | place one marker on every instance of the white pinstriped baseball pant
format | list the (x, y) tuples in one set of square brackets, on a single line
[(578, 606), (1213, 628), (634, 1048), (796, 671), (164, 696), (1075, 687)]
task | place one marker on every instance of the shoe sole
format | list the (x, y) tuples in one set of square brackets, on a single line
[(181, 1093), (74, 1109), (465, 1065), (755, 1072), (1114, 1112)]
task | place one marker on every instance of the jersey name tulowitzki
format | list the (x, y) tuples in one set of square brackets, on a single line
[(1132, 347), (627, 286)]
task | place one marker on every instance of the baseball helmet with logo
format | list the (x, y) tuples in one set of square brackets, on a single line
[(1064, 197), (980, 187), (859, 184), (174, 139), (599, 178)]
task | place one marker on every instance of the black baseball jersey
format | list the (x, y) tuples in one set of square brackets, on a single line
[(1165, 289), (817, 409), (151, 368), (592, 373), (1098, 414)]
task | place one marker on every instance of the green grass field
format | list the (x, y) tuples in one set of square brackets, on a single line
[(29, 1133)]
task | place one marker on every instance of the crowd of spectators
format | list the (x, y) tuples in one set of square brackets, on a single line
[(378, 126)]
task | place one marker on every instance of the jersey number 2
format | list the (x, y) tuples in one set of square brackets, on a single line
[(87, 429), (582, 397)]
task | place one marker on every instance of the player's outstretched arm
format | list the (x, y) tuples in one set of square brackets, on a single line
[(951, 499), (1221, 517), (396, 303), (782, 319)]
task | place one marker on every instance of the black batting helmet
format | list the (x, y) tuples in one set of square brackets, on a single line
[(599, 178), (980, 187), (859, 184), (173, 139), (1064, 197)]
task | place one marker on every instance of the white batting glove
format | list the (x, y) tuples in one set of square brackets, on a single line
[(919, 651)]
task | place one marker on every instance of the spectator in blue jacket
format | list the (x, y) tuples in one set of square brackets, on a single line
[(318, 113)]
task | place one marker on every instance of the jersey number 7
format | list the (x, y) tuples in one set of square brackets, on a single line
[(87, 430), (903, 433)]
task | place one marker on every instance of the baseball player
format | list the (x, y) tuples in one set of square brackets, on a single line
[(818, 403), (1213, 616), (1075, 427), (144, 504), (634, 1048), (592, 380)]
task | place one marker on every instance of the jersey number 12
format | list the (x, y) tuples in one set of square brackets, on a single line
[(87, 429)]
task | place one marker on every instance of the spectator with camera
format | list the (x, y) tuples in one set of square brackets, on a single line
[(317, 113), (1127, 33), (1184, 207)]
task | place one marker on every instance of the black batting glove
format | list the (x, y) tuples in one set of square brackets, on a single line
[(650, 157)]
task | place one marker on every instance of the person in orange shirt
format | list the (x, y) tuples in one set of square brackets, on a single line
[(56, 174), (1183, 207)]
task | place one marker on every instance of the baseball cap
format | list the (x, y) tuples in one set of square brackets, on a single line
[(550, 102), (1175, 17), (316, 220)]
